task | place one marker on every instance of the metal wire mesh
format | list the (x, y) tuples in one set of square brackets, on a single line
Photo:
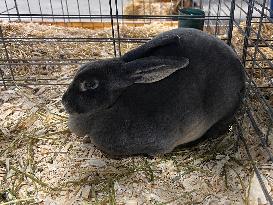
[(248, 17)]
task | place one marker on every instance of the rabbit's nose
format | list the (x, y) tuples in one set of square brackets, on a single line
[(66, 103), (64, 98)]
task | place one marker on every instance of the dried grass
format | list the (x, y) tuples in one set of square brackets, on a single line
[(149, 7), (42, 162)]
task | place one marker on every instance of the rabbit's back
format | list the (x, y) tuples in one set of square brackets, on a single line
[(214, 79)]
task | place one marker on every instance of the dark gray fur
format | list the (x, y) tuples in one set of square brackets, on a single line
[(167, 92)]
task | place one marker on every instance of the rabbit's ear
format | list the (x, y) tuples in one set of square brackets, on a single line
[(152, 69), (166, 42)]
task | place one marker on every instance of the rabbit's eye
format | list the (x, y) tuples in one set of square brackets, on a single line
[(89, 85)]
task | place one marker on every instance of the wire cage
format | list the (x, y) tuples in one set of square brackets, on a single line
[(245, 25), (221, 17)]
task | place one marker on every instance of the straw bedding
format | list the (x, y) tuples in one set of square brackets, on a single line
[(41, 162)]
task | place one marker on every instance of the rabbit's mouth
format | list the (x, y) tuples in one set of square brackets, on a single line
[(69, 109), (76, 110)]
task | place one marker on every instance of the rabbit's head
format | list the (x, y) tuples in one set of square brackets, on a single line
[(97, 85), (92, 87)]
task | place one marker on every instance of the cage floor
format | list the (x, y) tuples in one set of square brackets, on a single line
[(41, 162)]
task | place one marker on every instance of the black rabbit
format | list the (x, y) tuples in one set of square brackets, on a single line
[(170, 91)]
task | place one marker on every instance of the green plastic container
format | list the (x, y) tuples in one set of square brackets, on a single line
[(192, 18)]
